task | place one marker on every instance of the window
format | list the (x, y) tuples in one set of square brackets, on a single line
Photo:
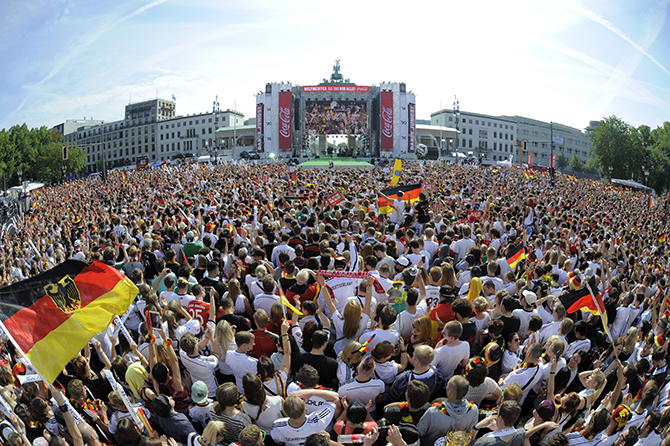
[(177, 146), (210, 129), (203, 131), (470, 144), (495, 124), (178, 134), (449, 118), (210, 120), (477, 121), (495, 147), (470, 131), (489, 123), (511, 127), (505, 126), (172, 134), (190, 122), (495, 134), (197, 121), (178, 124), (470, 121)]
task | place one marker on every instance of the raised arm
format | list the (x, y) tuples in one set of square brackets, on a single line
[(102, 354), (326, 294), (368, 295), (285, 365), (72, 428)]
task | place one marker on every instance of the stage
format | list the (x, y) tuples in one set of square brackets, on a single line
[(324, 163)]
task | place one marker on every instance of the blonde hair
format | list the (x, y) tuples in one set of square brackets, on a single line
[(351, 349), (234, 289), (224, 336), (213, 430), (352, 319), (480, 304), (424, 354)]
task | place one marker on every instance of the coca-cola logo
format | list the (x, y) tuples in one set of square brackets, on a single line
[(285, 119), (387, 121)]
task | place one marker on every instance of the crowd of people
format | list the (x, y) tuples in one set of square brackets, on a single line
[(283, 319)]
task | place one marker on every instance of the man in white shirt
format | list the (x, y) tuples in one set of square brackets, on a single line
[(201, 367), (526, 376), (450, 352), (384, 330), (365, 387), (239, 360), (527, 310), (553, 327), (491, 269), (462, 246), (282, 247), (294, 430)]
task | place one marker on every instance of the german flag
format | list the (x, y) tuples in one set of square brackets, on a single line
[(515, 254), (581, 299), (386, 207), (52, 316), (661, 239), (123, 174)]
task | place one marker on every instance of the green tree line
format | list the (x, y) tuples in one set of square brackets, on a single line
[(629, 151), (38, 153)]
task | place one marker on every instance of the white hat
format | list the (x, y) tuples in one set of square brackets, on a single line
[(530, 297), (193, 326), (404, 261), (77, 243)]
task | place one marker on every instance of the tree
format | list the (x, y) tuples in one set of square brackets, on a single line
[(611, 145), (576, 163), (562, 161)]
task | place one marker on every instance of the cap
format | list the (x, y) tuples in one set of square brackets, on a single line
[(77, 243), (161, 406), (573, 249), (530, 297), (574, 280), (190, 236), (402, 260), (340, 262), (492, 353), (413, 271), (446, 291), (193, 326), (622, 264), (545, 410), (199, 392)]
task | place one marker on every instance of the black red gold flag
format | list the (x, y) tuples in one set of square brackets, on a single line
[(52, 316), (386, 206)]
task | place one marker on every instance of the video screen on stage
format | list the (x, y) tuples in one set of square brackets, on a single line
[(336, 117)]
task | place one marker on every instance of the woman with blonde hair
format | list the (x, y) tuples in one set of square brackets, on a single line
[(214, 433), (353, 321), (234, 293), (225, 337), (422, 334), (347, 361)]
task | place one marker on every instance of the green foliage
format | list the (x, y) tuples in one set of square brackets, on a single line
[(38, 153), (562, 161), (629, 150), (576, 163)]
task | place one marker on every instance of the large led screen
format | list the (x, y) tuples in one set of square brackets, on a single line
[(336, 117)]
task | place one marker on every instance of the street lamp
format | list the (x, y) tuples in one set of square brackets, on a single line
[(645, 170), (457, 114)]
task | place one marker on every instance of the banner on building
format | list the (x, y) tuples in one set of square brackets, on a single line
[(558, 140), (483, 134), (335, 88), (387, 121), (259, 127), (411, 109), (285, 121)]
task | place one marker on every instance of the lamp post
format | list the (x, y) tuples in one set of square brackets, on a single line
[(457, 114), (645, 170), (19, 173)]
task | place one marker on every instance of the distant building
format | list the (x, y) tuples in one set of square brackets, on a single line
[(149, 128)]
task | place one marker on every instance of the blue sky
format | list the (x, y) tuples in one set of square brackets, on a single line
[(562, 60)]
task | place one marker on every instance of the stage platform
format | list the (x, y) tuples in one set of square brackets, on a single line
[(324, 163)]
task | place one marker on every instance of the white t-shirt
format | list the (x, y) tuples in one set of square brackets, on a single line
[(447, 358), (363, 392), (265, 419), (345, 373), (202, 369), (380, 335), (432, 295), (283, 432), (524, 316), (170, 296), (265, 301), (387, 371), (241, 364), (404, 323)]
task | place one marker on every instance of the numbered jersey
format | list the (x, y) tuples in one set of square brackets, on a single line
[(199, 311)]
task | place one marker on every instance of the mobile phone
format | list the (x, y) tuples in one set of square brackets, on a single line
[(155, 319)]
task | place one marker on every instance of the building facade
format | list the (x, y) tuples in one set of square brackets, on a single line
[(149, 128), (491, 137)]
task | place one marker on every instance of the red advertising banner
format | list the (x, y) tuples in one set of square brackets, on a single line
[(411, 110), (285, 121), (259, 127), (387, 121), (335, 199), (343, 88)]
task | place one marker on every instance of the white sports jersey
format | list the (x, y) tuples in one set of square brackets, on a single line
[(283, 432)]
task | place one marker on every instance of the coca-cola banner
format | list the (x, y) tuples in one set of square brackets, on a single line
[(411, 109), (285, 121), (387, 121), (259, 127), (343, 88)]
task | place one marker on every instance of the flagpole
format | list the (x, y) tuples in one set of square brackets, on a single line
[(602, 317)]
